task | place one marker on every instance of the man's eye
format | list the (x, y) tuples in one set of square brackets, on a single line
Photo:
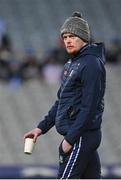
[(72, 36)]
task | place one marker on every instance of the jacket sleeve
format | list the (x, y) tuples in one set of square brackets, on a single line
[(90, 79), (49, 119)]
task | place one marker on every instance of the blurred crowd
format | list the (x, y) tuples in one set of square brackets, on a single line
[(15, 70), (47, 68)]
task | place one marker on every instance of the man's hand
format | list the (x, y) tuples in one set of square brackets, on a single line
[(33, 134), (66, 146)]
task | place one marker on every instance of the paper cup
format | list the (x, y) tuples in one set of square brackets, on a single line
[(29, 146)]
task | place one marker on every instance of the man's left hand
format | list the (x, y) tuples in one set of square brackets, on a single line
[(66, 146)]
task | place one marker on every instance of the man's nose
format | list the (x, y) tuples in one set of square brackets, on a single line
[(68, 40)]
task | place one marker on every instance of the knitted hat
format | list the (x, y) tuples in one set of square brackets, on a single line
[(76, 25)]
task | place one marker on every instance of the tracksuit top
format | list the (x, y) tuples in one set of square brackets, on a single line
[(80, 102)]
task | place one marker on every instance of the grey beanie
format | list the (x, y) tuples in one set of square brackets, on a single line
[(77, 26)]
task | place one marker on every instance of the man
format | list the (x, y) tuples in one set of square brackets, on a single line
[(77, 113)]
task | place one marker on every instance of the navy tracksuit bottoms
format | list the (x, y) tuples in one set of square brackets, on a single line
[(82, 161)]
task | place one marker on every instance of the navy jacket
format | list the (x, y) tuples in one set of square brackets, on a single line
[(80, 102)]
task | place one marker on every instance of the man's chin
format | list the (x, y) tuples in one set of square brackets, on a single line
[(71, 53)]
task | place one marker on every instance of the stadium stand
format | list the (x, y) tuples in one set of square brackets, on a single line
[(36, 24), (30, 22), (22, 109)]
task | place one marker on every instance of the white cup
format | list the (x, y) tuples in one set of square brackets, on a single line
[(28, 146)]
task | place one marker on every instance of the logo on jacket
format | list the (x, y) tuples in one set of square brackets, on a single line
[(65, 72)]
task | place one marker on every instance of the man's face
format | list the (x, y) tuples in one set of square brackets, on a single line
[(72, 43)]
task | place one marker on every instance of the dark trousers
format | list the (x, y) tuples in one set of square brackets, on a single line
[(82, 162)]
